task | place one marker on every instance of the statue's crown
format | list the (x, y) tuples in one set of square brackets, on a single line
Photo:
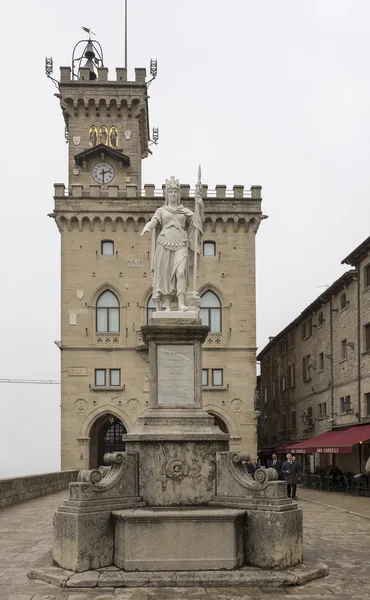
[(172, 182)]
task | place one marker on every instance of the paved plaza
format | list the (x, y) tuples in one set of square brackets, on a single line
[(332, 534)]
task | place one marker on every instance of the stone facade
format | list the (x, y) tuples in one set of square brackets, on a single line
[(315, 363), (88, 214)]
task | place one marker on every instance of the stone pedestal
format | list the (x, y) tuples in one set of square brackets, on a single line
[(177, 441), (199, 539), (83, 529), (273, 539), (273, 523), (177, 473)]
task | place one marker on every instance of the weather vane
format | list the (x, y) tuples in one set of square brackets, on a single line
[(88, 30)]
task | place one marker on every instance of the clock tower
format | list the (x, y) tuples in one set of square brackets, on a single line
[(106, 294), (107, 131), (107, 126)]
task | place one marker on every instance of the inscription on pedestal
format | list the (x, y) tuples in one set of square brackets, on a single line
[(175, 374)]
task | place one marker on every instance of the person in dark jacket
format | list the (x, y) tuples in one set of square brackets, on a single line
[(275, 463), (291, 471), (299, 476), (250, 468)]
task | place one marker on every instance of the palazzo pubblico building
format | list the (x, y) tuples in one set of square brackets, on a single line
[(106, 294)]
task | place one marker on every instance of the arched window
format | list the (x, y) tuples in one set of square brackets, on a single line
[(219, 423), (209, 249), (210, 311), (150, 309), (107, 313)]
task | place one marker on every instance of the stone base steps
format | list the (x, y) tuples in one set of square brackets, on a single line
[(111, 577)]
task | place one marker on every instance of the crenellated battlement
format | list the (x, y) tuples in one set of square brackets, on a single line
[(220, 192), (102, 78), (81, 209)]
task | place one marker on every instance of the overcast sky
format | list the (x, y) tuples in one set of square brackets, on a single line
[(275, 93)]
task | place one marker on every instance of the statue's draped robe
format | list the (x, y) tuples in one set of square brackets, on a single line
[(181, 231)]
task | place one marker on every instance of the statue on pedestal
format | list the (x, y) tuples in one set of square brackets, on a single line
[(176, 244)]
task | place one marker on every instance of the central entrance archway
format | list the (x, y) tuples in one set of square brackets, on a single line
[(110, 437), (106, 436)]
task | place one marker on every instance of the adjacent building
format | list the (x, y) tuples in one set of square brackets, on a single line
[(106, 278), (314, 385)]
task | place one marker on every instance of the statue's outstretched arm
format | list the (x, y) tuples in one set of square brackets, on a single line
[(149, 226)]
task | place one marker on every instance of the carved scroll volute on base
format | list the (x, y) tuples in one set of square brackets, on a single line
[(105, 477), (262, 476)]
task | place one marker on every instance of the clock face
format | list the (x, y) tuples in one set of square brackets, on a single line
[(103, 172)]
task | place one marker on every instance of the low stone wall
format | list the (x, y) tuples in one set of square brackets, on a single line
[(19, 489)]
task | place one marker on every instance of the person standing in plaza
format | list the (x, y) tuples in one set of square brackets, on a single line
[(275, 463), (291, 471), (294, 459)]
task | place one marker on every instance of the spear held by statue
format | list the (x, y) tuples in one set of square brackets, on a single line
[(198, 211)]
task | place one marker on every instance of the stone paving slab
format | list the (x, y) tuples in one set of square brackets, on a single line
[(335, 537), (358, 505)]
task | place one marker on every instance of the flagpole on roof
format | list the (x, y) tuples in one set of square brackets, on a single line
[(126, 35)]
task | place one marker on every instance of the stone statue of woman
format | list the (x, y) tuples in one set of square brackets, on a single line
[(177, 244)]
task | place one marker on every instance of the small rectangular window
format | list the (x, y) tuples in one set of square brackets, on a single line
[(321, 361), (322, 409), (367, 404), (367, 337), (266, 395), (291, 375), (309, 416), (320, 318), (114, 377), (345, 404), (282, 347), (274, 389), (283, 383), (343, 301), (217, 377), (209, 249), (100, 377), (343, 350), (205, 377), (367, 276), (107, 247), (307, 329), (293, 419), (306, 365)]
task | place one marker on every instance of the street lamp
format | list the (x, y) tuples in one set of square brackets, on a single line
[(304, 418)]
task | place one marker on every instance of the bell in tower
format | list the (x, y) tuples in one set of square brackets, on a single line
[(90, 55), (93, 54)]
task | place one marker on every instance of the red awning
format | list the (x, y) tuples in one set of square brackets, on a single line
[(333, 442), (285, 447)]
